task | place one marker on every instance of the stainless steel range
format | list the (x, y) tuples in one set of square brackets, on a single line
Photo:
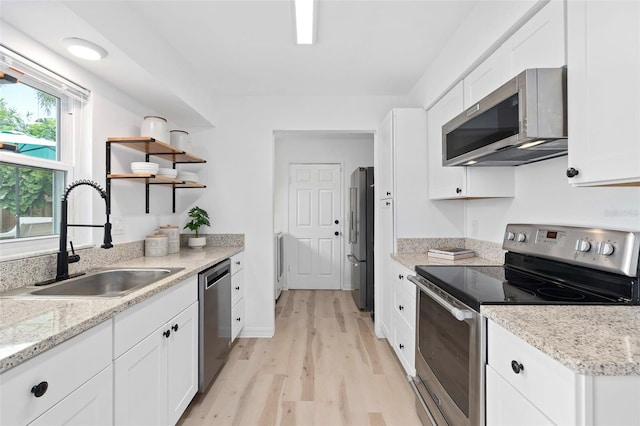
[(558, 265)]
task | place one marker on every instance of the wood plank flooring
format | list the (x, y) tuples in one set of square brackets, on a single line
[(324, 366)]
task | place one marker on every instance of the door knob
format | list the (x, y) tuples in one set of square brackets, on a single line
[(336, 233), (336, 221), (40, 389)]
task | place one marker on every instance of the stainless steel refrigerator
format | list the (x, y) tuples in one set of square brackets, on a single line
[(360, 218)]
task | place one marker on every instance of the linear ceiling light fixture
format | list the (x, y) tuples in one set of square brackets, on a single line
[(305, 21), (84, 49)]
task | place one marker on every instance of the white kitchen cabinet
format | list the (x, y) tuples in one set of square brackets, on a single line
[(526, 386), (603, 46), (460, 182), (404, 317), (64, 368), (384, 170), (237, 294), (384, 295), (483, 80), (156, 372), (539, 43), (90, 404)]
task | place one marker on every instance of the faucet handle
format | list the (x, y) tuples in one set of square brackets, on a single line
[(74, 257)]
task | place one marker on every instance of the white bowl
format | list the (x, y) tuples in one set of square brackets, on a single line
[(190, 177), (166, 172)]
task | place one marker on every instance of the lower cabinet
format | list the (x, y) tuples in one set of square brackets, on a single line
[(237, 295), (90, 404), (524, 386), (404, 317)]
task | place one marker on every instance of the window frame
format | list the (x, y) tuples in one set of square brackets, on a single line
[(71, 123)]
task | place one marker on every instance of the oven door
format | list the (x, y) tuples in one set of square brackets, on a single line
[(450, 348)]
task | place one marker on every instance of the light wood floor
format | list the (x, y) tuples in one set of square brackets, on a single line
[(324, 366)]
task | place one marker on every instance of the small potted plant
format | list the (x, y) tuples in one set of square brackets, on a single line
[(199, 217)]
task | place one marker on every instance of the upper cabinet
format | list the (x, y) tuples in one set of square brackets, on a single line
[(384, 171), (539, 43), (460, 182), (603, 43)]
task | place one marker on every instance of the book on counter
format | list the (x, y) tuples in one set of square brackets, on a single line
[(451, 253)]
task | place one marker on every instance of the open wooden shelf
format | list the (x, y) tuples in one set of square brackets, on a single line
[(157, 148), (157, 180)]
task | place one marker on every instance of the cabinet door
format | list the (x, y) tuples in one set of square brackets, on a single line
[(182, 362), (486, 78), (90, 404), (384, 170), (507, 407), (444, 182), (140, 382), (384, 303), (603, 46), (539, 43)]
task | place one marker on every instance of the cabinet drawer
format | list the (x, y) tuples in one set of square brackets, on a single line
[(137, 322), (400, 274), (549, 385), (64, 367), (237, 262), (405, 306), (237, 287), (237, 319), (404, 344)]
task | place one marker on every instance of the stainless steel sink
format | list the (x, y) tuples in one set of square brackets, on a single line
[(105, 283)]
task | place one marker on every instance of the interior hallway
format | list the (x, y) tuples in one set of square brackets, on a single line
[(324, 366)]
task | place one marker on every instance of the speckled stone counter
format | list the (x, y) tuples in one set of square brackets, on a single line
[(29, 327), (410, 260), (589, 340)]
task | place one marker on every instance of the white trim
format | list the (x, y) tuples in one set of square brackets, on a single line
[(24, 248), (257, 332), (41, 163)]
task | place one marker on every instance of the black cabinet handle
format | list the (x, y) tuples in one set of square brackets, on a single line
[(238, 288), (388, 203), (336, 221), (336, 233), (238, 319), (238, 262), (401, 346), (175, 327), (167, 333), (516, 367), (458, 190), (388, 193), (571, 172), (400, 276), (40, 389), (400, 307)]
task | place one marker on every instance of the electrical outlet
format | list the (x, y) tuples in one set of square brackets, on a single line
[(117, 226)]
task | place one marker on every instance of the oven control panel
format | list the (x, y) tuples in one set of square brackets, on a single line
[(605, 249)]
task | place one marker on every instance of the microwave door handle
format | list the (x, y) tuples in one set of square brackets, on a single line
[(459, 314)]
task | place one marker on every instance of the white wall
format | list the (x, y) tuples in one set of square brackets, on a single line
[(350, 150), (240, 174), (544, 196)]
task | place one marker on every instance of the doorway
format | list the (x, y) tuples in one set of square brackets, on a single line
[(349, 149)]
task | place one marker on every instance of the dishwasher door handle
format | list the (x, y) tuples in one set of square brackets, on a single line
[(219, 278)]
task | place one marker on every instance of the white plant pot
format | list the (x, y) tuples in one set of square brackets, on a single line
[(197, 243)]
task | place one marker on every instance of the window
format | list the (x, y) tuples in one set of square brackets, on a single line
[(39, 116)]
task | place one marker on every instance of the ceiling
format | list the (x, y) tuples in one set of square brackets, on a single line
[(193, 50)]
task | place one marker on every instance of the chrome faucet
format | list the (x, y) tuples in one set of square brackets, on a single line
[(63, 256)]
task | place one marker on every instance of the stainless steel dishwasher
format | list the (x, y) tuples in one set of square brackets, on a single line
[(214, 297)]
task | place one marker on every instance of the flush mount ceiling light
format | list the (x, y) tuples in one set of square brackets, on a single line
[(84, 49), (305, 21)]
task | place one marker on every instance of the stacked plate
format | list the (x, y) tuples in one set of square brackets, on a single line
[(166, 172), (187, 176), (144, 168)]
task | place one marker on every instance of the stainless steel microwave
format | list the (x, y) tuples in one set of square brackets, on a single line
[(523, 121)]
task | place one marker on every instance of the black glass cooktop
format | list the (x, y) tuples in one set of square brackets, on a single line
[(500, 285)]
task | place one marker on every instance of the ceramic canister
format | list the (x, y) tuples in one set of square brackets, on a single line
[(173, 237), (156, 245), (179, 139), (155, 127)]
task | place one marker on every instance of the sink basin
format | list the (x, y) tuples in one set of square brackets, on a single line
[(106, 283)]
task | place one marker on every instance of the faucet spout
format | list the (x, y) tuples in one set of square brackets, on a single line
[(63, 256)]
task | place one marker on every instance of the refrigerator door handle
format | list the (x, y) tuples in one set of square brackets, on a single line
[(353, 260), (353, 206)]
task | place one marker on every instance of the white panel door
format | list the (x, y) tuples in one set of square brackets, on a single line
[(315, 205)]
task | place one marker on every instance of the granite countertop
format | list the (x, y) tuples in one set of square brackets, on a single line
[(29, 327), (589, 340), (410, 260)]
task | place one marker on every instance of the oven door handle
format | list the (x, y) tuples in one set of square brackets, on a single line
[(459, 314)]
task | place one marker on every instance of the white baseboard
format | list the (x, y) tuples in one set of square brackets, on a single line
[(257, 332)]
